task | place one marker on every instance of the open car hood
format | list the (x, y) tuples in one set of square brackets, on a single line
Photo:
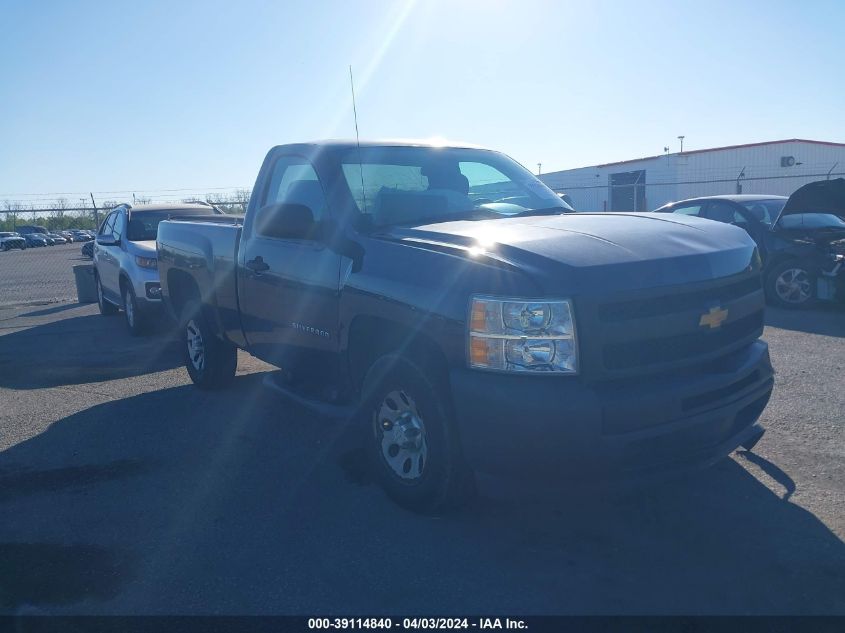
[(822, 196)]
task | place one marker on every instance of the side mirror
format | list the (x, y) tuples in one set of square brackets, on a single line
[(288, 221), (107, 240)]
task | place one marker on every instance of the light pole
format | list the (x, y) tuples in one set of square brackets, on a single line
[(681, 139), (738, 178), (539, 168)]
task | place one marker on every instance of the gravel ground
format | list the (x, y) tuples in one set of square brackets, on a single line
[(123, 489), (39, 275)]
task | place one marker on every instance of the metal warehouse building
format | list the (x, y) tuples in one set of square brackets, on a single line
[(643, 184)]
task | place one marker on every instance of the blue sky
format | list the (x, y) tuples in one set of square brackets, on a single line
[(145, 96)]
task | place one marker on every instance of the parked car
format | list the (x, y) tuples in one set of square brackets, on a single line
[(57, 238), (88, 249), (83, 236), (801, 238), (445, 301), (28, 229), (35, 239), (125, 263), (10, 240)]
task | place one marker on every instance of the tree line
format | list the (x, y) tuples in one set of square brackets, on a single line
[(62, 215)]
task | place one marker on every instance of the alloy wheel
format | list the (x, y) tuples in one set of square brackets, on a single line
[(196, 347), (129, 307), (793, 286)]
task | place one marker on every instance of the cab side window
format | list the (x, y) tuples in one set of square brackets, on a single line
[(294, 181)]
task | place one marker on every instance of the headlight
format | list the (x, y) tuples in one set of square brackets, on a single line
[(522, 336), (147, 262)]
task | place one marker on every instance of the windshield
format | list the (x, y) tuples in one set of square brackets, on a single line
[(416, 185), (811, 221), (765, 211), (143, 225)]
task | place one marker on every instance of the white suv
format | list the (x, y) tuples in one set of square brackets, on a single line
[(125, 263)]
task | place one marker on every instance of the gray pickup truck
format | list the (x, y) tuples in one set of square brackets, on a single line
[(448, 303)]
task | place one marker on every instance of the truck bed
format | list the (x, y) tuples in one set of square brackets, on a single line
[(202, 253)]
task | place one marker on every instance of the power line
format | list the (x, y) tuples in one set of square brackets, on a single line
[(123, 191)]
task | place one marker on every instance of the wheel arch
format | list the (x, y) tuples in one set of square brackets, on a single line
[(371, 337), (182, 288)]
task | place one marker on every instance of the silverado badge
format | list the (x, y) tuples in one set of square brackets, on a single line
[(713, 318)]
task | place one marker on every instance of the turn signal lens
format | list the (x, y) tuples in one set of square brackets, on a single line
[(486, 352)]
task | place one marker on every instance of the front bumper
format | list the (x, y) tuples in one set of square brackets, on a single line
[(145, 283), (540, 424)]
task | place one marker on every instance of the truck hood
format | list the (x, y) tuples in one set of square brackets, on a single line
[(640, 249)]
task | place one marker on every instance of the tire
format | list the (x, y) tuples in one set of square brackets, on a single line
[(136, 321), (411, 440), (210, 361), (106, 308), (791, 284)]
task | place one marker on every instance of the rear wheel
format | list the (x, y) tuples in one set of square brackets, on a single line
[(106, 308), (411, 439), (791, 284), (210, 361)]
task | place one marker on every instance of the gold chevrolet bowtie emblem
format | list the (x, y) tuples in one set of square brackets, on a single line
[(714, 318)]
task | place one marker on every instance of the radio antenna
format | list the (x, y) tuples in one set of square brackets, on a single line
[(358, 142)]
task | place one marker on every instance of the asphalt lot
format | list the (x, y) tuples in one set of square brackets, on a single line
[(54, 281), (125, 490)]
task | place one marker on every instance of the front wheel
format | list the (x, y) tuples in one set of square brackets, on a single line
[(411, 438), (106, 308), (791, 284), (210, 361), (136, 320)]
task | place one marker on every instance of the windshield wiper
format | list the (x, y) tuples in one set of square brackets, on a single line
[(544, 211), (454, 216)]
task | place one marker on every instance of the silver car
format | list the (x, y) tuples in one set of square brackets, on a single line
[(125, 263)]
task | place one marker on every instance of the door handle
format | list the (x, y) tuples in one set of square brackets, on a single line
[(257, 265)]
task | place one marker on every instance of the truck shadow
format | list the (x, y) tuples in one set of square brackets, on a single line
[(234, 502), (828, 320), (81, 349)]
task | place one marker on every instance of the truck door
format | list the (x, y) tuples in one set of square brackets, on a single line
[(288, 288)]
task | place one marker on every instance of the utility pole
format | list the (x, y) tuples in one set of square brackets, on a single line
[(96, 215)]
